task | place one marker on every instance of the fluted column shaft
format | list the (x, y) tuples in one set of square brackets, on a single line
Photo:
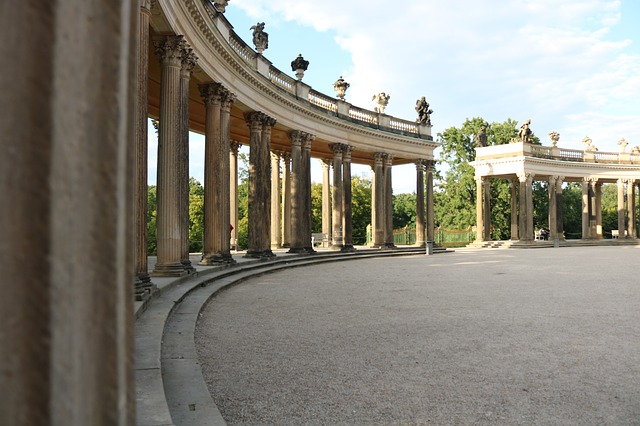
[(621, 211), (420, 235), (388, 202), (275, 201), (286, 199), (306, 193), (559, 208), (347, 210), (233, 192), (598, 209), (553, 217), (189, 61), (217, 185), (66, 180), (631, 217), (529, 206), (326, 198), (169, 238), (430, 202), (336, 211), (297, 190), (479, 207), (378, 200), (487, 209), (143, 285), (585, 209), (514, 209), (259, 184)]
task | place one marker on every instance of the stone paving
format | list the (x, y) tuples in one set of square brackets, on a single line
[(473, 337)]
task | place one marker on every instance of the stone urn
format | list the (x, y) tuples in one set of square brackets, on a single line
[(340, 86)]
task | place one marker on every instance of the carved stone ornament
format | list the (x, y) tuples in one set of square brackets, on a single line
[(299, 65), (623, 144), (555, 137), (588, 144), (219, 5), (260, 37), (424, 113), (524, 135), (382, 100), (340, 86)]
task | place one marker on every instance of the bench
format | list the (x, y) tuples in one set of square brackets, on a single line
[(615, 233), (320, 238)]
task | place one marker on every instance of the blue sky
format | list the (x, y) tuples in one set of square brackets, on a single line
[(571, 66)]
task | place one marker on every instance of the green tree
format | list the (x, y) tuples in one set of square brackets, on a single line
[(360, 208), (316, 207), (152, 208), (404, 210), (196, 215)]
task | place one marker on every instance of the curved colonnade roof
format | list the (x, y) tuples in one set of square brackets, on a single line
[(514, 159), (224, 58)]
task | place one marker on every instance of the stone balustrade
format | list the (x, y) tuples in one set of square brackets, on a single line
[(521, 149)]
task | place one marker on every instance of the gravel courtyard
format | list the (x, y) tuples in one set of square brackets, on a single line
[(530, 337)]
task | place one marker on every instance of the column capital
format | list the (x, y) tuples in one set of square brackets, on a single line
[(227, 99), (234, 146), (254, 120), (145, 5), (326, 163), (388, 160), (526, 177), (479, 179), (286, 156), (560, 180), (379, 157), (420, 165), (307, 139), (336, 148), (296, 137), (212, 93), (189, 59), (170, 49), (346, 153), (553, 180), (275, 155), (268, 122)]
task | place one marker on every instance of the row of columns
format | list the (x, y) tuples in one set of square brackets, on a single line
[(522, 208)]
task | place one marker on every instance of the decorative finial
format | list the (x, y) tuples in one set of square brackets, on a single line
[(382, 100), (299, 65), (260, 37), (555, 137), (424, 113), (340, 86)]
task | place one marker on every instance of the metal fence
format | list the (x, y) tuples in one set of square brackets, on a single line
[(442, 237)]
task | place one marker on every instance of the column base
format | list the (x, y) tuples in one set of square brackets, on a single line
[(297, 250), (169, 270), (348, 248), (390, 246), (264, 254), (336, 247), (217, 259), (275, 246), (310, 250), (420, 244), (286, 245), (188, 267), (143, 287)]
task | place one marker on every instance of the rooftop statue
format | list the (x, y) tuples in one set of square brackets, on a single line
[(525, 132), (382, 99), (588, 144), (424, 113), (480, 137), (260, 37), (623, 145)]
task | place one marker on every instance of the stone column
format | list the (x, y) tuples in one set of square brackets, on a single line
[(326, 199), (347, 218), (377, 202), (631, 217), (337, 242), (514, 209), (217, 176), (388, 202), (286, 199), (559, 208), (487, 209), (621, 212), (297, 190), (170, 49), (259, 185), (420, 203), (430, 202), (598, 209), (68, 85), (553, 218), (233, 189), (529, 202), (189, 61), (142, 281), (275, 201), (480, 234), (306, 193), (585, 209)]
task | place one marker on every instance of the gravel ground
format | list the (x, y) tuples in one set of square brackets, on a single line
[(529, 337)]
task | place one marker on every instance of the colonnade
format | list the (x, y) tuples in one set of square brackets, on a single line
[(522, 207)]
